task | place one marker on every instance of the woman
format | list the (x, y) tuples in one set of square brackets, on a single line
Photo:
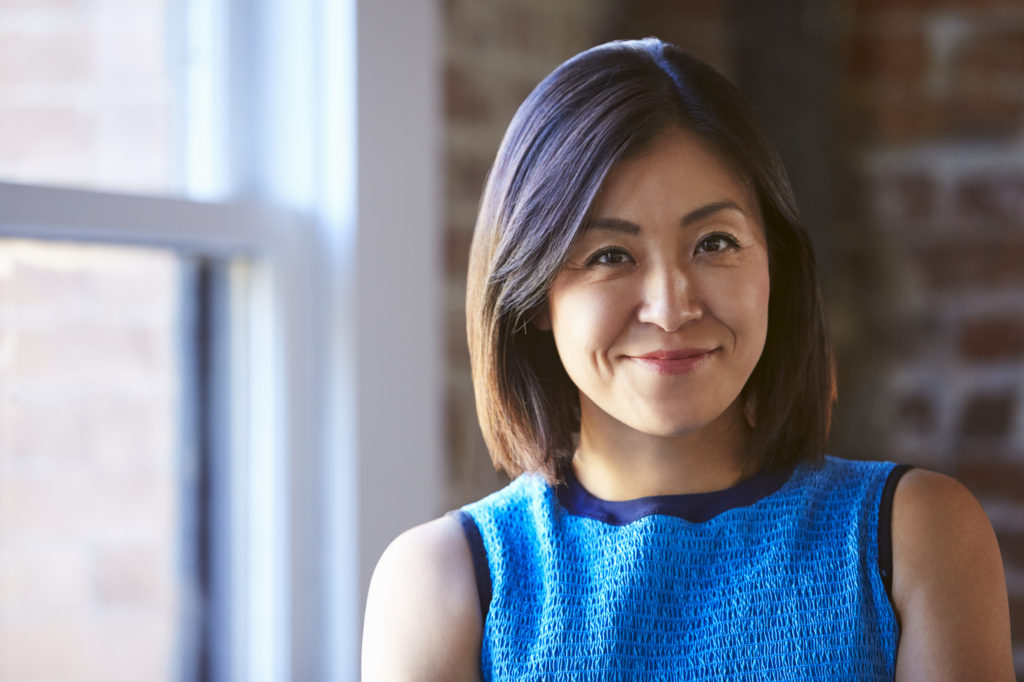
[(651, 365)]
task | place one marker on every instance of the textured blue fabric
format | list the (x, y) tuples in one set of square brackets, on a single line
[(784, 588)]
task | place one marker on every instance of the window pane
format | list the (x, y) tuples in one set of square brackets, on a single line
[(86, 95), (93, 480)]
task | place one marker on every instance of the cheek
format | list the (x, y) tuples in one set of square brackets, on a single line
[(761, 295), (587, 321), (742, 303), (757, 297)]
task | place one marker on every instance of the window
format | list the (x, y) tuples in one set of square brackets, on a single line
[(140, 461), (291, 321), (96, 485), (134, 486), (99, 471), (87, 95)]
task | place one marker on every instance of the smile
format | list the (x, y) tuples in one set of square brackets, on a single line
[(674, 362)]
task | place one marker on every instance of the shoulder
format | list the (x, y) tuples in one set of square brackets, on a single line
[(423, 617), (948, 584), (937, 522)]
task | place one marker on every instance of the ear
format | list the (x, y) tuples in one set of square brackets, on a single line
[(542, 319)]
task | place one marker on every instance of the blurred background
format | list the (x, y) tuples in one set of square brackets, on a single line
[(233, 244)]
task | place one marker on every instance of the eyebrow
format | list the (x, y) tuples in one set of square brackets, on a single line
[(703, 212), (694, 216)]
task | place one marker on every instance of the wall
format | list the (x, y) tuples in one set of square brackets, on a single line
[(73, 110), (933, 109), (90, 497)]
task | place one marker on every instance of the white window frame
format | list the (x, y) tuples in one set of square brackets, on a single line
[(330, 148)]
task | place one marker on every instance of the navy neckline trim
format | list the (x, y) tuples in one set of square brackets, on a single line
[(692, 507)]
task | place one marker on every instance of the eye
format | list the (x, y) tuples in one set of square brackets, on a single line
[(610, 256), (716, 243)]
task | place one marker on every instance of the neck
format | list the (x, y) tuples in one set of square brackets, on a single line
[(626, 464)]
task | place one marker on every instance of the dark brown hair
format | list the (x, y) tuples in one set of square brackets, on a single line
[(603, 105)]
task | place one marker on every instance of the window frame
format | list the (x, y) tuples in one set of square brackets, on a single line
[(249, 538), (330, 148)]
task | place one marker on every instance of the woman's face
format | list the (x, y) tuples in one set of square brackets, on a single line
[(661, 309)]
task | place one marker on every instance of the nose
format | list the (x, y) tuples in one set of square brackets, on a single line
[(669, 298)]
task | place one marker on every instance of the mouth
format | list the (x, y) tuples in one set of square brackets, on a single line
[(673, 362)]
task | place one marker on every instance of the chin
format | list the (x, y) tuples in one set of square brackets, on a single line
[(680, 422), (671, 427)]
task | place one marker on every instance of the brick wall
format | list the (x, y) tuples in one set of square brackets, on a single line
[(84, 86), (934, 113), (90, 495), (92, 577), (922, 246)]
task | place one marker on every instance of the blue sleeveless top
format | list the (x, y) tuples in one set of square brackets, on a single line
[(775, 579)]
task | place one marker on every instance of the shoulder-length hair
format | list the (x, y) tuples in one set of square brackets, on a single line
[(603, 105)]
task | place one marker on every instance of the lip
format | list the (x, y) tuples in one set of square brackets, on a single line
[(673, 362)]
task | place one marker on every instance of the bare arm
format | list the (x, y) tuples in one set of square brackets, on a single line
[(423, 618), (948, 585)]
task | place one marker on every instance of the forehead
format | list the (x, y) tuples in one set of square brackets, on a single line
[(678, 171)]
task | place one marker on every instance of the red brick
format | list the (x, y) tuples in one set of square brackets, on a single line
[(994, 337), (993, 198), (915, 413), (980, 4), (1017, 619), (91, 354), (58, 56), (464, 100), (1011, 544), (48, 646), (1000, 479), (466, 176), (905, 196), (975, 264), (911, 116), (887, 58), (698, 26), (135, 575), (78, 505), (525, 28), (44, 576), (130, 435), (990, 53), (892, 120), (43, 7), (680, 9), (457, 347), (874, 5), (980, 115), (44, 434), (988, 414), (457, 243), (34, 284), (50, 144)]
